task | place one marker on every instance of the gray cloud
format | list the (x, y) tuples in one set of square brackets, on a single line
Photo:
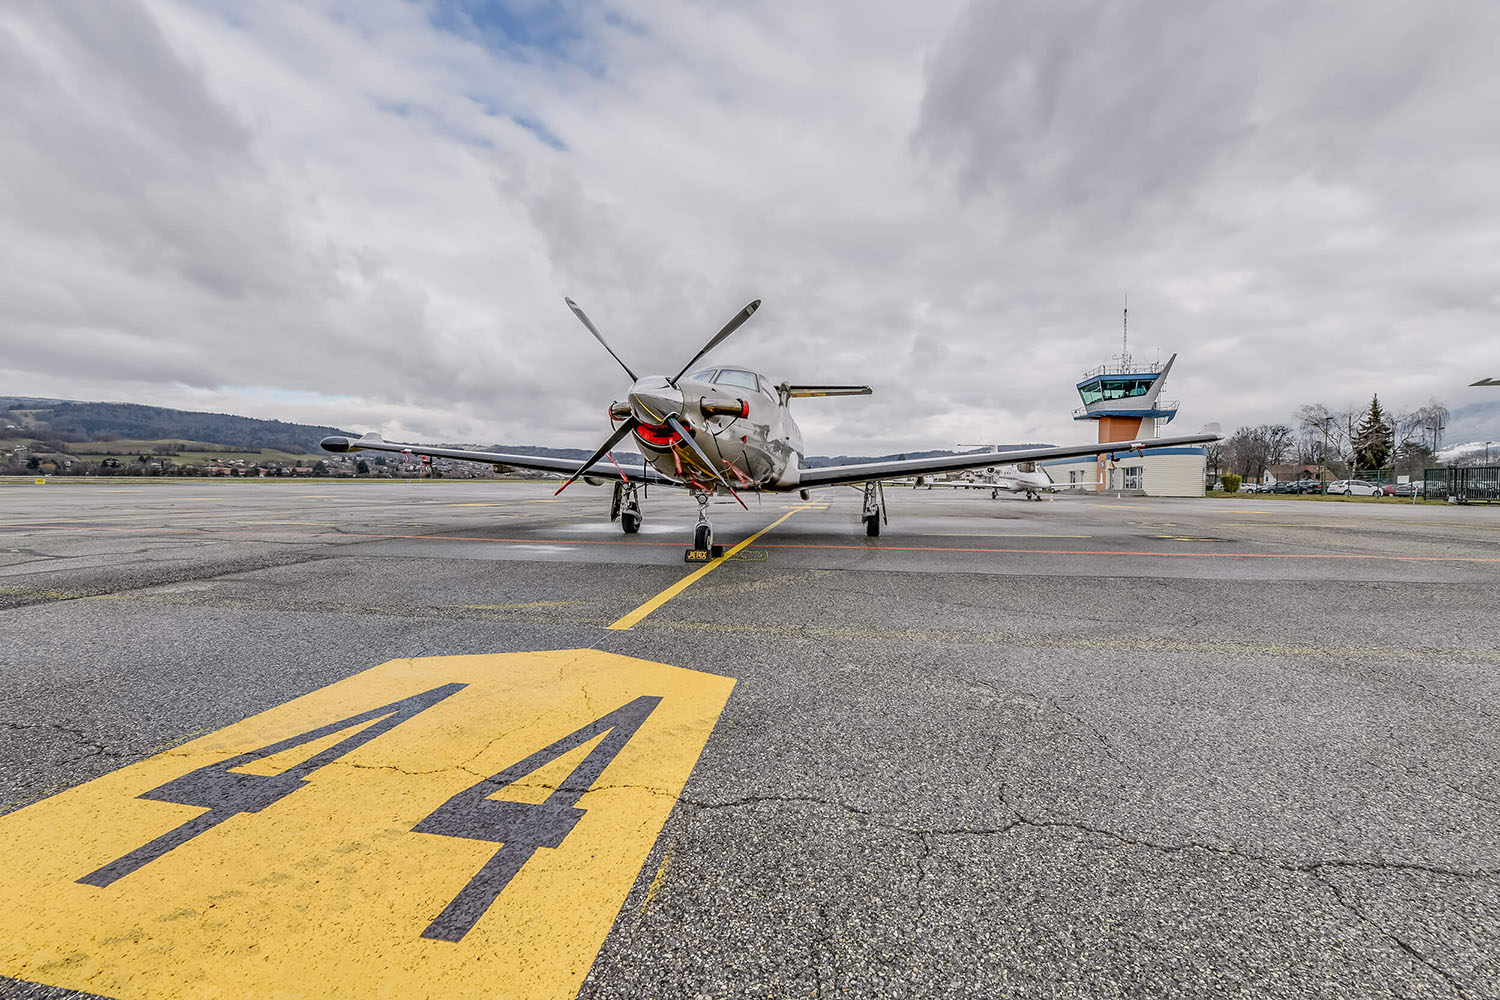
[(346, 212)]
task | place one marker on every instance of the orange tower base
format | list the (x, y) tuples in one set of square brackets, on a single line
[(1113, 429)]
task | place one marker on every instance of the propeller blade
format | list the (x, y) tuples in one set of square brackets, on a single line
[(625, 428), (708, 464), (730, 327), (599, 337)]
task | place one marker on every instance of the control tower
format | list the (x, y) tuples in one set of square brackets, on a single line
[(1123, 397)]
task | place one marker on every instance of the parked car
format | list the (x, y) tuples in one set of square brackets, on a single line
[(1310, 486), (1283, 486), (1405, 489), (1354, 488)]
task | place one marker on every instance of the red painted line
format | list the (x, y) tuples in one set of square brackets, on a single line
[(1122, 552), (521, 541)]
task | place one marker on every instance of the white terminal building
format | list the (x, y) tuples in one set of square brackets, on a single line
[(1124, 399)]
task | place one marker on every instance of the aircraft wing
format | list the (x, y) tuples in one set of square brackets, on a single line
[(603, 469), (867, 471)]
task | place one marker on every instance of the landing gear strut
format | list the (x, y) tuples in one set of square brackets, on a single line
[(703, 548), (874, 510), (626, 505)]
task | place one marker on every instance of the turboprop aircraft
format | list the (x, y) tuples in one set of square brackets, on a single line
[(720, 430)]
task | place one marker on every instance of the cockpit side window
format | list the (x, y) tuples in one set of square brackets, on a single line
[(1026, 467), (735, 377), (706, 375)]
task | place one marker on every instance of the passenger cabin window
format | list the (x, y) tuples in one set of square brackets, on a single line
[(735, 377), (706, 375)]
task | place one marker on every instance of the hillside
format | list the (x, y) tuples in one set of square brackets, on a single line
[(72, 423)]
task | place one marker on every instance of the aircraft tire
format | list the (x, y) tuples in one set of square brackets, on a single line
[(630, 521), (703, 538), (872, 525)]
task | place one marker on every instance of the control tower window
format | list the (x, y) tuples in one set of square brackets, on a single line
[(1115, 388), (732, 376)]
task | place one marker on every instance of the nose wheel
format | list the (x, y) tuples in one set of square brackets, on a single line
[(703, 549), (626, 506)]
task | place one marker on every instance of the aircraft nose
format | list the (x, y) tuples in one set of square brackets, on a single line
[(652, 399)]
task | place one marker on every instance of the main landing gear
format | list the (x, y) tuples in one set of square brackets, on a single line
[(874, 509), (626, 506), (704, 549)]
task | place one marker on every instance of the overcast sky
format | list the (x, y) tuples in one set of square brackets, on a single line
[(367, 214)]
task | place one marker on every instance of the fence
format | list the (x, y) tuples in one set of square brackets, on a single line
[(1471, 484)]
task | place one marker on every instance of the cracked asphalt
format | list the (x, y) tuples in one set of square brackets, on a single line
[(1094, 747)]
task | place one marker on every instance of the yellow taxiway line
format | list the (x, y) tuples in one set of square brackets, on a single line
[(635, 617)]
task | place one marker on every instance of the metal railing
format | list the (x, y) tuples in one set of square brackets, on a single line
[(1154, 368), (1464, 484), (1167, 406)]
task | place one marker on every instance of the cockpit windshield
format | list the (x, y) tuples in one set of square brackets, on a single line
[(706, 375), (733, 376)]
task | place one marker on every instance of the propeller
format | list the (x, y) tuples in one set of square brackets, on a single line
[(730, 327), (600, 337), (673, 420), (626, 426)]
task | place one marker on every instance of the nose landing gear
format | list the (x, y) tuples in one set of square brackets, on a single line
[(704, 549), (626, 506)]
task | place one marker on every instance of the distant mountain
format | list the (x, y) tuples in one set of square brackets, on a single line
[(1478, 420), (72, 422)]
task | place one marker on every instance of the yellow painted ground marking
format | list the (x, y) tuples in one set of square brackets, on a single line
[(661, 876), (550, 500), (992, 534), (1124, 506), (635, 617), (322, 885), (507, 504)]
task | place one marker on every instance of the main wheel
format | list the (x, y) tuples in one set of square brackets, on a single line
[(994, 494), (703, 538), (872, 525), (630, 521)]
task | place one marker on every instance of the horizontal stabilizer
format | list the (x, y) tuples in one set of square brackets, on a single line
[(801, 391)]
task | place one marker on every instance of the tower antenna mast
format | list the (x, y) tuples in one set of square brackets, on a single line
[(1125, 333)]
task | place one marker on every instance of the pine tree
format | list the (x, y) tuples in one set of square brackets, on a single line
[(1373, 438)]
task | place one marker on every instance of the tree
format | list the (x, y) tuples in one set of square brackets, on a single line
[(1278, 443), (1332, 427), (362, 467), (1372, 438), (1213, 453)]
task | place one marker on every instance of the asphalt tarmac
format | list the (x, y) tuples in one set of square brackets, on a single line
[(1089, 747)]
